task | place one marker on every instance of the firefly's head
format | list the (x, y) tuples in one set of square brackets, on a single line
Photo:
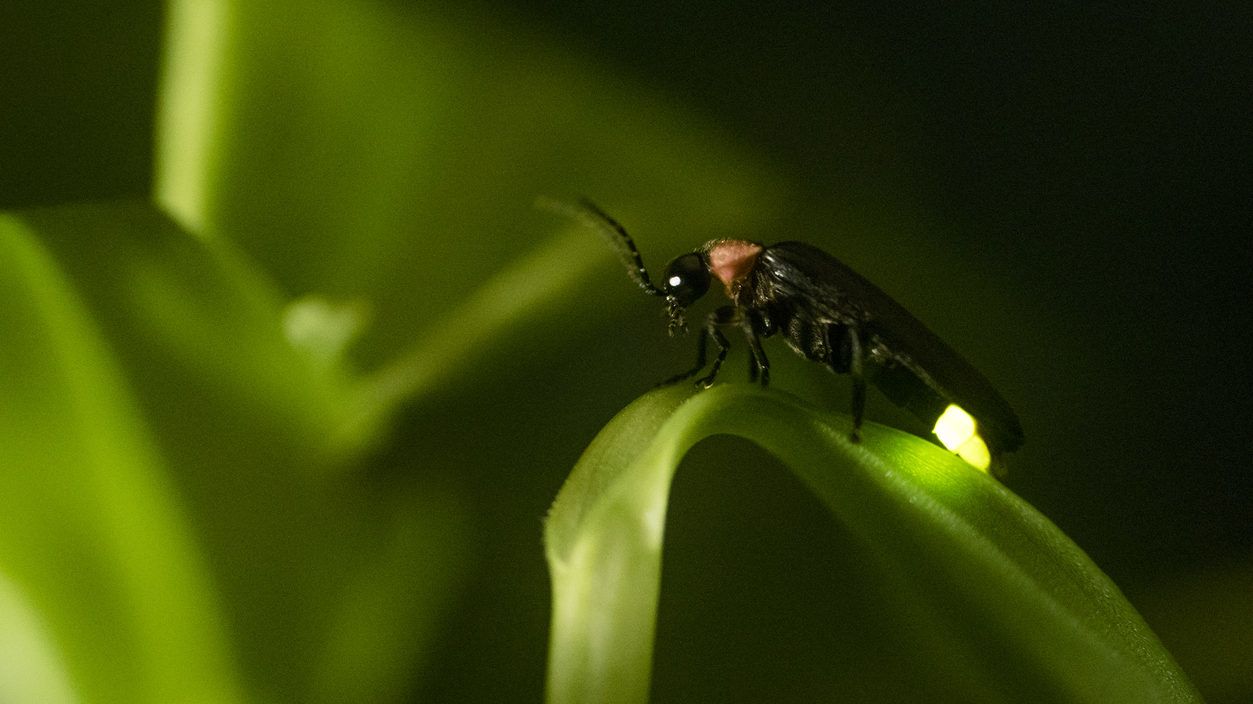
[(688, 277), (686, 280)]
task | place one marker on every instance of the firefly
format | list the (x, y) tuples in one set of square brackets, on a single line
[(829, 314)]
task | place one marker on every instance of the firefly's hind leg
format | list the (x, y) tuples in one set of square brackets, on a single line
[(855, 369), (847, 355)]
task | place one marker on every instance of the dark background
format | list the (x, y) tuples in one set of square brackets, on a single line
[(1090, 162)]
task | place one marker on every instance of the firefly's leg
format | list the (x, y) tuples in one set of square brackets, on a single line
[(701, 342), (723, 316), (757, 362), (859, 380)]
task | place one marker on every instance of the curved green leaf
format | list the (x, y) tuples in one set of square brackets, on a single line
[(994, 590), (165, 504), (92, 533)]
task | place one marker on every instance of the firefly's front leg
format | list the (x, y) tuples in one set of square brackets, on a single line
[(722, 317)]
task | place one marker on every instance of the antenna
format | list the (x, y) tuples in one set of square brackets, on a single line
[(586, 212)]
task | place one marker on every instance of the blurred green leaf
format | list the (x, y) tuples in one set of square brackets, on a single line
[(91, 530), (151, 381), (1003, 605)]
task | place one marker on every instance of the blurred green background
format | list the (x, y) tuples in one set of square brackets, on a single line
[(1062, 193)]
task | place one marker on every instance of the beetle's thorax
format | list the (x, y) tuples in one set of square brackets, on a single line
[(731, 261)]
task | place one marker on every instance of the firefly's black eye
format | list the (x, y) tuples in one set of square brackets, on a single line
[(687, 278)]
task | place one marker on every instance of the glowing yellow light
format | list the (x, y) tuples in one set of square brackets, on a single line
[(954, 427), (975, 451), (957, 431)]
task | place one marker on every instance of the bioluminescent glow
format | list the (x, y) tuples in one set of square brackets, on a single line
[(975, 451), (954, 427), (958, 432)]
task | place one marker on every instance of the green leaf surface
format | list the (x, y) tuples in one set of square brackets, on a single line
[(999, 602), (93, 538), (167, 505)]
